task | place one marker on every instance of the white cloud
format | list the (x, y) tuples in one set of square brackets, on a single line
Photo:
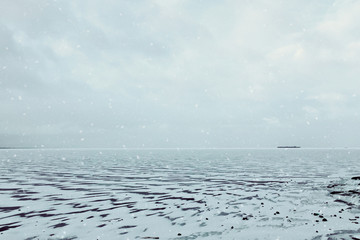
[(329, 98), (288, 53), (63, 48), (272, 121), (341, 20)]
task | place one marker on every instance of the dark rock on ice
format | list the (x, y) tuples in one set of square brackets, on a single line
[(59, 225), (8, 226)]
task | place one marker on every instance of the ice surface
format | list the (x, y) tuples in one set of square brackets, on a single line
[(186, 194)]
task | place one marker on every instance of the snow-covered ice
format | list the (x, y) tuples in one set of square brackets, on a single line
[(179, 194)]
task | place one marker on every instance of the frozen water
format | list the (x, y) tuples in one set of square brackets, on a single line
[(179, 194)]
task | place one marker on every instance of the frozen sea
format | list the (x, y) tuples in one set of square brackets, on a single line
[(180, 194)]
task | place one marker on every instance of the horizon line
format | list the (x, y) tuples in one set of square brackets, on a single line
[(167, 148)]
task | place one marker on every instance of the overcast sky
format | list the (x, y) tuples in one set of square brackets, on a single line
[(173, 73)]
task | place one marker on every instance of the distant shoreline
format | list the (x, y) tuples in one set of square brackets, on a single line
[(18, 148)]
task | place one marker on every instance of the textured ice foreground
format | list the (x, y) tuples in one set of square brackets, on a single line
[(185, 194)]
